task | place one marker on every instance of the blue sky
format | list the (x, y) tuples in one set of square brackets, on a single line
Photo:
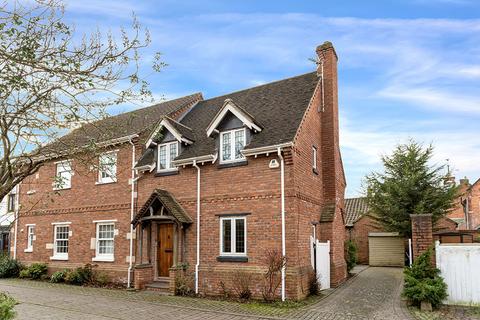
[(407, 69)]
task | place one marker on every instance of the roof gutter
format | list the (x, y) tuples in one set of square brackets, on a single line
[(194, 160), (266, 149)]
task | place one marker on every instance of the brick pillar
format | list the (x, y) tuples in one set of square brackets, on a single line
[(422, 234)]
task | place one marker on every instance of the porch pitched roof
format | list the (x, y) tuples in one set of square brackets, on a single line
[(169, 202)]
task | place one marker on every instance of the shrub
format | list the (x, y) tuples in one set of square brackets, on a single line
[(102, 279), (73, 277), (423, 281), (9, 268), (351, 254), (37, 270), (59, 276), (7, 304), (226, 292), (274, 262), (313, 283), (241, 285), (24, 273), (184, 283)]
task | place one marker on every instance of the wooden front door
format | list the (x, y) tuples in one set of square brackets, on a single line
[(165, 249)]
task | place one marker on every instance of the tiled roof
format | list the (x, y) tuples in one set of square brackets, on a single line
[(278, 106), (122, 125), (169, 202), (355, 208)]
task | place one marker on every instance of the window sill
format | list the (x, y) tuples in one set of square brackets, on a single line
[(59, 258), (59, 189), (103, 259), (232, 259), (165, 173), (233, 164), (28, 250), (106, 182)]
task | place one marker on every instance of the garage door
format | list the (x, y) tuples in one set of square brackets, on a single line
[(386, 250)]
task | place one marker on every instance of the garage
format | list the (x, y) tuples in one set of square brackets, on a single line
[(386, 249)]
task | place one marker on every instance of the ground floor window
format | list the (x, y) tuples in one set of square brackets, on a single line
[(30, 237), (60, 241), (233, 240), (105, 241)]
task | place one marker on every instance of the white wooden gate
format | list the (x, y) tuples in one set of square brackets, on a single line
[(320, 258), (459, 264)]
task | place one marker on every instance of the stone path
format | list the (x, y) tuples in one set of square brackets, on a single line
[(373, 294)]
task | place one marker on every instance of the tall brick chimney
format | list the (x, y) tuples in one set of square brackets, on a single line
[(327, 70)]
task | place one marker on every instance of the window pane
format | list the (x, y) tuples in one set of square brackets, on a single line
[(227, 233), (239, 143), (173, 153), (105, 247), (226, 150), (108, 166), (240, 235), (162, 157), (105, 231)]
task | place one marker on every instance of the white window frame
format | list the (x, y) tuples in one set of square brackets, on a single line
[(169, 167), (233, 236), (105, 257), (314, 157), (108, 179), (60, 255), (30, 237), (232, 145), (57, 165)]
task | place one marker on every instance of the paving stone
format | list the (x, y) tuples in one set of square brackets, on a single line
[(373, 294)]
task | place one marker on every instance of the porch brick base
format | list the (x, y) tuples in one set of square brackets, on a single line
[(143, 275)]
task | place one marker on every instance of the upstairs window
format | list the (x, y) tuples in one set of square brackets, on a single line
[(63, 176), (11, 202), (314, 159), (167, 152), (107, 167), (231, 145)]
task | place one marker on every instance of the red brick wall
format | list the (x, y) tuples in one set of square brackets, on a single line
[(359, 234), (422, 236), (84, 203), (475, 206)]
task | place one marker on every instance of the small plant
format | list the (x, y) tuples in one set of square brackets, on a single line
[(102, 279), (241, 285), (351, 254), (37, 270), (9, 268), (226, 292), (73, 277), (313, 283), (423, 283), (7, 304), (58, 276), (274, 262), (184, 282), (87, 274), (24, 274)]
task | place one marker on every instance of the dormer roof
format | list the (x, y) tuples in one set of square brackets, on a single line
[(230, 106), (181, 132)]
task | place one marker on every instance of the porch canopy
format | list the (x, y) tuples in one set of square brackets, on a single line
[(161, 205)]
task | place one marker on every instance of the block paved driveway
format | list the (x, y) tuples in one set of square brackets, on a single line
[(373, 294)]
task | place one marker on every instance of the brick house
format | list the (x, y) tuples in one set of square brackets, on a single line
[(209, 184), (467, 209), (360, 224)]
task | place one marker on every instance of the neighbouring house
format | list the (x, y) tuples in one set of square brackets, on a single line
[(373, 241), (467, 210), (203, 186), (8, 207)]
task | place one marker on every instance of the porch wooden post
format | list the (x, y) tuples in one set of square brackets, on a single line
[(175, 244)]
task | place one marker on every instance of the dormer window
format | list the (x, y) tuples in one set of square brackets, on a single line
[(231, 145), (167, 152)]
